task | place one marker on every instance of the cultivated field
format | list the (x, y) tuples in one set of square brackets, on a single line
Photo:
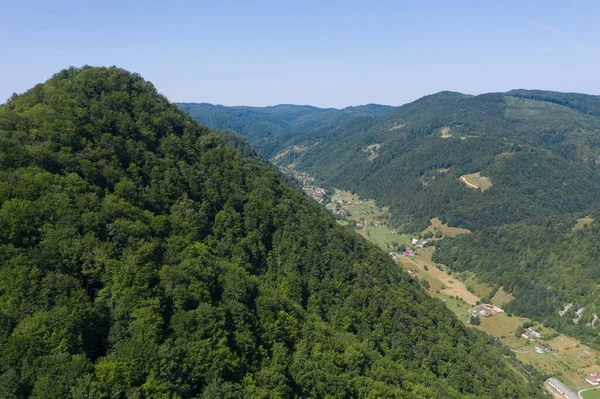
[(501, 325), (368, 212), (451, 286)]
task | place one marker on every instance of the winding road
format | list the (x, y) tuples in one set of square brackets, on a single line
[(586, 389)]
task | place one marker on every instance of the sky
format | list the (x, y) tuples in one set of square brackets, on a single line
[(324, 53)]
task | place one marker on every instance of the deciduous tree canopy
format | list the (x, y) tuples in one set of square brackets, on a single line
[(143, 256)]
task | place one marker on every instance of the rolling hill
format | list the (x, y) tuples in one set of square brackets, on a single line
[(144, 256)]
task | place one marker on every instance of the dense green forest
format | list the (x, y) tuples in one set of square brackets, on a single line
[(539, 149), (272, 129), (143, 256), (547, 264)]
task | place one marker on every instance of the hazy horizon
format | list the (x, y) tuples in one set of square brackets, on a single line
[(330, 55)]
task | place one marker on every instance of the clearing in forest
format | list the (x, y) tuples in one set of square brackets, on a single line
[(482, 290), (445, 132), (372, 150), (451, 285), (447, 231), (501, 298), (476, 181), (501, 325), (583, 222)]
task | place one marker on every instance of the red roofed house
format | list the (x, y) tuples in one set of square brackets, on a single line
[(593, 379)]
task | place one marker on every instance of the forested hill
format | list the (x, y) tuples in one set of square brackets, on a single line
[(536, 153), (143, 256), (270, 129), (550, 265)]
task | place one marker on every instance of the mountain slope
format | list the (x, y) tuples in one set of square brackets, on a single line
[(269, 129), (142, 256), (547, 265), (413, 159)]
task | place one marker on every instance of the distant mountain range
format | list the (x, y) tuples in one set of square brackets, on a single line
[(537, 151), (270, 128)]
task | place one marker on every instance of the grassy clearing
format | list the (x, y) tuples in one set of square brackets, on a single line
[(372, 150), (447, 231), (381, 236), (501, 325), (476, 181), (501, 298), (453, 287), (445, 132), (581, 223), (594, 394), (482, 290)]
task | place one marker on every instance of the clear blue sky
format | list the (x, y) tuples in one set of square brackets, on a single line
[(325, 53)]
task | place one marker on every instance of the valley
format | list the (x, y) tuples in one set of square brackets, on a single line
[(552, 354)]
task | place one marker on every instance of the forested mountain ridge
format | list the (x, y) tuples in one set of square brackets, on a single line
[(526, 143), (270, 129), (143, 256)]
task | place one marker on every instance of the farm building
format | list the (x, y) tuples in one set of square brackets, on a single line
[(562, 388), (531, 334), (593, 379)]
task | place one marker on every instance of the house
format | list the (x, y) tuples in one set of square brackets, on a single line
[(414, 241), (534, 334), (407, 253), (483, 313), (593, 379), (531, 334), (411, 271)]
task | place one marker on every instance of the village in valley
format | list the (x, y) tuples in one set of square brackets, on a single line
[(572, 367)]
